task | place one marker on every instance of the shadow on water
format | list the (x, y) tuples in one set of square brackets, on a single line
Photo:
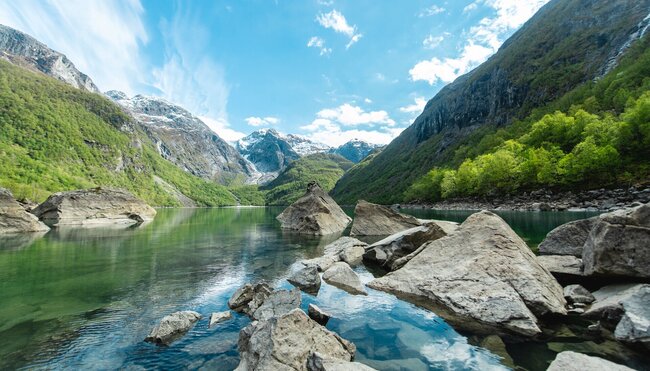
[(85, 298)]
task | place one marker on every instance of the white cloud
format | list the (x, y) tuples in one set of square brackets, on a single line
[(261, 121), (431, 41), (349, 115), (416, 107), (223, 129), (367, 100), (101, 38), (484, 40), (333, 135), (470, 7), (432, 10), (337, 22), (317, 42)]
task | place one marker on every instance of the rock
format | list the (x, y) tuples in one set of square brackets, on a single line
[(634, 327), (94, 207), (572, 361), (568, 238), (249, 297), (594, 329), (377, 220), (14, 218), (618, 244), (608, 305), (278, 303), (218, 317), (307, 279), (344, 247), (173, 326), (576, 294), (561, 264), (318, 362), (342, 276), (392, 248), (353, 255), (286, 342), (314, 213), (340, 245), (495, 344), (575, 311), (322, 264), (483, 278), (318, 314)]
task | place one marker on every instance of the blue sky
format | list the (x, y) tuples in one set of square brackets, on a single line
[(332, 70)]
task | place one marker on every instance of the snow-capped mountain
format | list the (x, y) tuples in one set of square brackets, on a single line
[(184, 139), (355, 150)]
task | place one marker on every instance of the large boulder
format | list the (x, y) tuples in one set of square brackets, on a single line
[(347, 249), (94, 207), (401, 244), (609, 301), (14, 218), (377, 220), (172, 327), (314, 213), (562, 264), (278, 303), (249, 297), (342, 276), (319, 362), (567, 239), (578, 294), (572, 361), (483, 278), (306, 279), (634, 327), (619, 244), (286, 343)]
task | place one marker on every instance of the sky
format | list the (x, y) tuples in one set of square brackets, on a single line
[(331, 70)]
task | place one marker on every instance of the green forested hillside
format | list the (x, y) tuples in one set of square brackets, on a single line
[(54, 137), (596, 135), (323, 168)]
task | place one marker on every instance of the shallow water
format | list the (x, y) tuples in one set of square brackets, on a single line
[(85, 298)]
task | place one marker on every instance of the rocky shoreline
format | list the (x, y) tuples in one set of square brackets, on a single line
[(547, 200)]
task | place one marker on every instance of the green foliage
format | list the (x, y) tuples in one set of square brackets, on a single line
[(249, 195), (291, 184), (54, 137)]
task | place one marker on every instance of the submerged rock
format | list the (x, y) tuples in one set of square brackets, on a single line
[(286, 342), (618, 244), (567, 239), (278, 303), (306, 279), (218, 317), (314, 213), (14, 218), (173, 326), (578, 294), (377, 220), (483, 278), (387, 251), (342, 276), (94, 207), (319, 362), (572, 361)]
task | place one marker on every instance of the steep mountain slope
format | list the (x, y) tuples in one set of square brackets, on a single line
[(290, 185), (56, 137), (355, 150), (23, 50), (304, 146), (567, 43), (185, 140)]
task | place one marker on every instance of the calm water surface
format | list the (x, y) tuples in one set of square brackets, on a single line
[(85, 298)]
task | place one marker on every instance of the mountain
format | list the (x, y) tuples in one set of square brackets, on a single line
[(271, 152), (23, 50), (324, 168), (185, 140), (568, 43), (355, 150)]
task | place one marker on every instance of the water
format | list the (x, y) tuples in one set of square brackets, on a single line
[(85, 298)]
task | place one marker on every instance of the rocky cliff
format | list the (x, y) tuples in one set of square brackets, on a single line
[(355, 150), (185, 140), (23, 50), (567, 43)]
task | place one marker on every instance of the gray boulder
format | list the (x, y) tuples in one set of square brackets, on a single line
[(319, 362), (561, 264), (377, 220), (94, 207), (401, 244), (619, 244), (578, 294), (347, 249), (483, 278), (321, 263), (318, 314), (249, 297), (609, 301), (567, 239), (572, 361), (278, 303), (14, 218), (314, 213), (172, 327), (634, 327), (306, 279), (342, 276), (218, 317), (286, 342)]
